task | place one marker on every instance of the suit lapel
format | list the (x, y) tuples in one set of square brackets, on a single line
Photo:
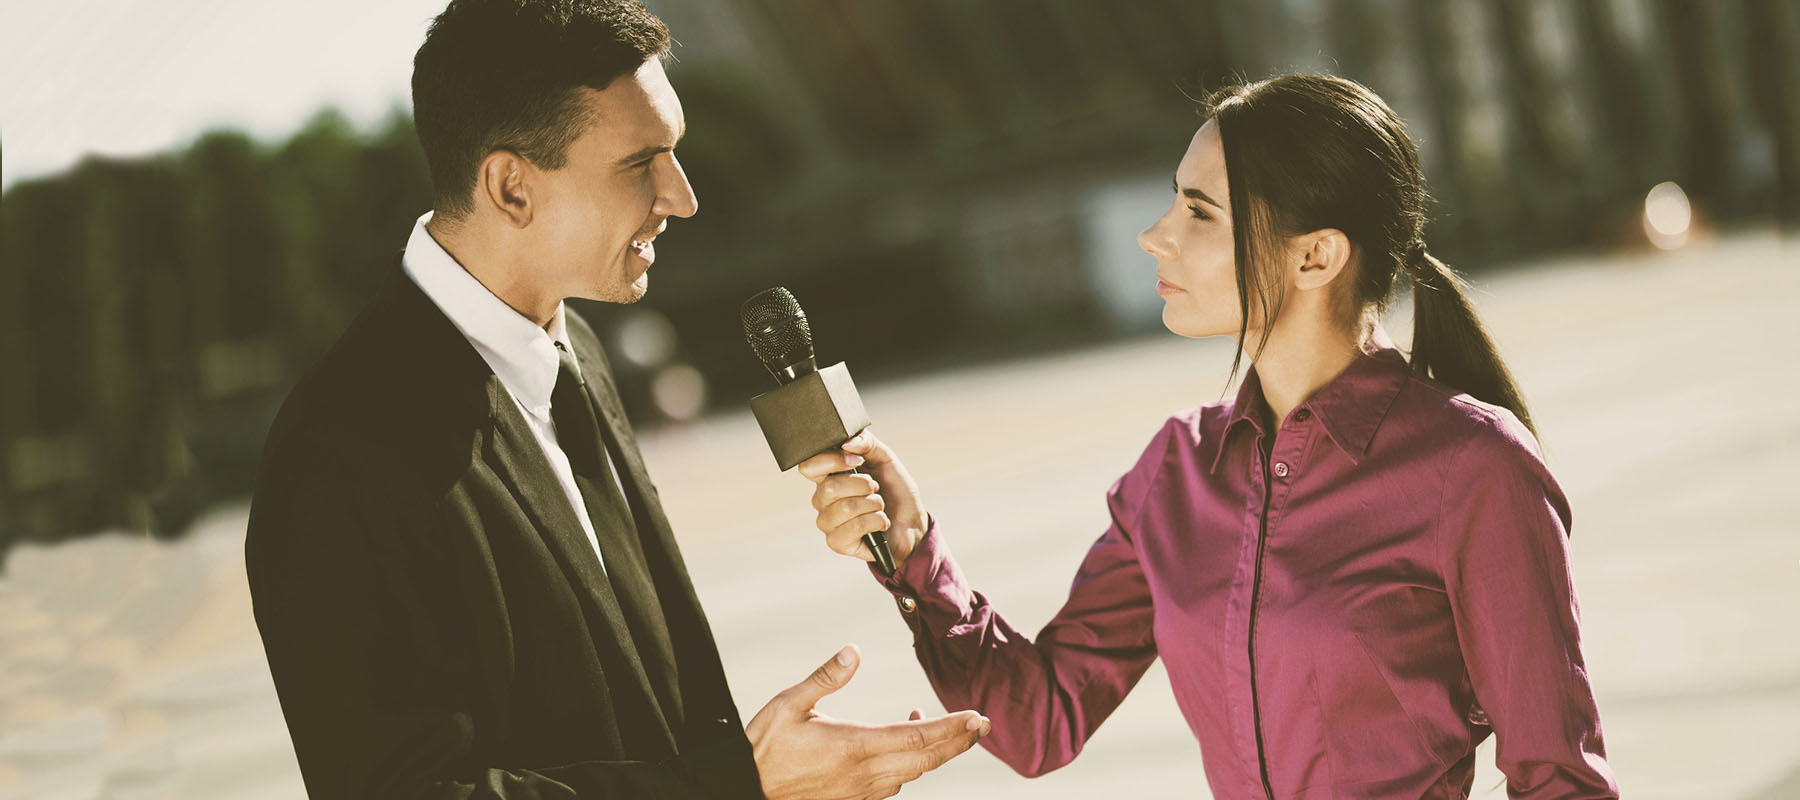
[(522, 465), (702, 677)]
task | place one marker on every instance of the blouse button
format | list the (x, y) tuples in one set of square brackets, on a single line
[(1281, 469), (1302, 415), (908, 605)]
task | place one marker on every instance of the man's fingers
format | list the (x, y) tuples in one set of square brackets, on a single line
[(916, 715), (829, 677), (923, 733), (909, 765)]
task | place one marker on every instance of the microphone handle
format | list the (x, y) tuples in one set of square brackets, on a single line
[(876, 542)]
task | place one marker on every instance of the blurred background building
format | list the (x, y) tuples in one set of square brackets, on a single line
[(981, 166)]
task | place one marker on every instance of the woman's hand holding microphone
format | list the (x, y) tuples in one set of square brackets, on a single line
[(884, 497)]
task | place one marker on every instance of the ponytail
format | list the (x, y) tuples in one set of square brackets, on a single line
[(1450, 345)]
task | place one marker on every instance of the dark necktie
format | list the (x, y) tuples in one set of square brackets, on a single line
[(578, 434)]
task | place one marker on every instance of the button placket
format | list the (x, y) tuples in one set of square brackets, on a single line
[(1296, 428)]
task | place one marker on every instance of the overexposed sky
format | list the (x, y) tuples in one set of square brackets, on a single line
[(130, 77)]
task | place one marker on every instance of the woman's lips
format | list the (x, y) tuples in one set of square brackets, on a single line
[(1165, 288)]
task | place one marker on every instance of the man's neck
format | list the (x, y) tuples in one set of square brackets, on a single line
[(487, 262)]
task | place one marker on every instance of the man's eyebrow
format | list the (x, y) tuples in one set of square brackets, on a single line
[(653, 149), (1195, 194)]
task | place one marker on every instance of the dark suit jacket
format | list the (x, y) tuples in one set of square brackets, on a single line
[(431, 609)]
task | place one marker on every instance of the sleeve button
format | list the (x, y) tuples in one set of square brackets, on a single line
[(908, 605)]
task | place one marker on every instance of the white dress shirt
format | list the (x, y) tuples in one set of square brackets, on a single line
[(522, 354)]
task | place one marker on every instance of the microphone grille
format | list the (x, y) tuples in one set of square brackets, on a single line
[(776, 328)]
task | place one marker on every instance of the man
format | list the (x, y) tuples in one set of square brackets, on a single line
[(462, 574)]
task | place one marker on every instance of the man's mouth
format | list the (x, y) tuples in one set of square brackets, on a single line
[(644, 244), (645, 247)]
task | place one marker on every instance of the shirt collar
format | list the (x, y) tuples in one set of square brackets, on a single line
[(522, 354), (1350, 407)]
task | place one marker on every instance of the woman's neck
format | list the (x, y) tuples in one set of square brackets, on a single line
[(1303, 354)]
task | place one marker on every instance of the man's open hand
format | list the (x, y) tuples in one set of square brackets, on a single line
[(804, 755)]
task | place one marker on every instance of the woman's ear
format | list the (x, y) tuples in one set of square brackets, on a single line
[(504, 185), (1319, 258)]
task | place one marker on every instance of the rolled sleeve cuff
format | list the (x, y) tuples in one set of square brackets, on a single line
[(928, 583)]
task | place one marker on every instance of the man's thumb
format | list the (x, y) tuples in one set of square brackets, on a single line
[(829, 677)]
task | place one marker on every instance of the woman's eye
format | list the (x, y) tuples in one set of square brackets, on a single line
[(1198, 214)]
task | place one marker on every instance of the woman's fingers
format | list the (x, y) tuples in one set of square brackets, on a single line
[(826, 464), (839, 487), (850, 509), (860, 449), (846, 539), (850, 504)]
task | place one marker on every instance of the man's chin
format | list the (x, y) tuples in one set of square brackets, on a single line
[(637, 289), (622, 295)]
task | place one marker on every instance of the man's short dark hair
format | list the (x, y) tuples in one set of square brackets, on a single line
[(508, 74)]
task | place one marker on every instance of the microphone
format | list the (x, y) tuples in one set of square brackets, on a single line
[(813, 410)]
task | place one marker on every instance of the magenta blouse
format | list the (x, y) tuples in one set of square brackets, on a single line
[(1346, 605)]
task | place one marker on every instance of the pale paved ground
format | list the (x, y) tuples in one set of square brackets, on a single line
[(1664, 385)]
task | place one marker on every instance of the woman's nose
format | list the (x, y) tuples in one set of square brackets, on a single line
[(1155, 243)]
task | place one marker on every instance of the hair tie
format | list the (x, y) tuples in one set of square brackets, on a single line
[(1415, 252)]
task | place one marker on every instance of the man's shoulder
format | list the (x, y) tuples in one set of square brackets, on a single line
[(397, 377), (349, 375)]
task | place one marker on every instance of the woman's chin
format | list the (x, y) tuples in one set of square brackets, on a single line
[(1181, 325)]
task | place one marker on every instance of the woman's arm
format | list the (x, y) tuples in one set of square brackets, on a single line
[(1045, 697), (1505, 551)]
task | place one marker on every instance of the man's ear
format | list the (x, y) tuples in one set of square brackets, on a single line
[(1319, 258), (504, 184)]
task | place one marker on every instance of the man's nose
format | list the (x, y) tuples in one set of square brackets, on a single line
[(675, 197)]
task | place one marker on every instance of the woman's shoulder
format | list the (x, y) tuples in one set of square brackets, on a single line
[(1197, 424), (1177, 440), (1478, 433), (1177, 432)]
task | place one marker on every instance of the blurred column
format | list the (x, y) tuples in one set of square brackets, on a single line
[(1708, 123), (1550, 181), (1461, 80), (1623, 154), (1773, 52)]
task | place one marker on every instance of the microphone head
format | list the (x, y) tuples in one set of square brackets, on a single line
[(778, 332)]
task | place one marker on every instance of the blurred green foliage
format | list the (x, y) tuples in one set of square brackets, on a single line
[(155, 310)]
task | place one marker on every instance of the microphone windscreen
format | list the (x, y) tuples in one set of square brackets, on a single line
[(776, 328)]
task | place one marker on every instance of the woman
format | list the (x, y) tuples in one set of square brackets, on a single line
[(1356, 569)]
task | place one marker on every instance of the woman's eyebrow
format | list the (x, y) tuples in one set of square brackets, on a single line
[(1195, 194)]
